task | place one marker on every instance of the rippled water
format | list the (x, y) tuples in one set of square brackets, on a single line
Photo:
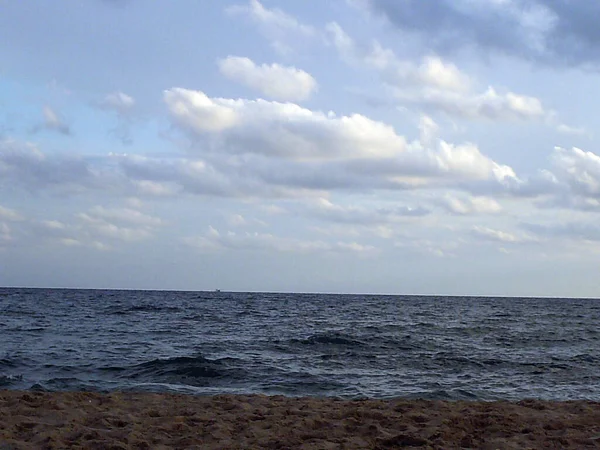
[(300, 344)]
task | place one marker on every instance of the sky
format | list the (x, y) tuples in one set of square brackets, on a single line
[(357, 146)]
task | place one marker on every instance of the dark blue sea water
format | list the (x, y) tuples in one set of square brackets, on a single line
[(300, 344)]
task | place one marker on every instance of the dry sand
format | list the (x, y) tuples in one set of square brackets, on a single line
[(161, 421)]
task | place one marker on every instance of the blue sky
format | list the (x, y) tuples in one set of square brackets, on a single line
[(347, 146)]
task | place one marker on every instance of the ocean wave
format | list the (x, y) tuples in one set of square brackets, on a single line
[(337, 339), (8, 362), (153, 308), (451, 361), (444, 394), (344, 345), (7, 380), (26, 330), (190, 370), (143, 309), (13, 361), (586, 358)]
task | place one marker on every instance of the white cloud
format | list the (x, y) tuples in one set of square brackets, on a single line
[(99, 227), (328, 149), (197, 111), (336, 181), (470, 205), (281, 130), (257, 148), (273, 19), (52, 121), (164, 177), (427, 247), (214, 240), (436, 85), (354, 215), (274, 81), (104, 229), (537, 31), (5, 234), (569, 200), (491, 234), (126, 215), (574, 231), (237, 220), (432, 72), (373, 56), (571, 182), (277, 26), (489, 105), (575, 131), (578, 169), (273, 209), (69, 242), (156, 188), (24, 165), (135, 203), (118, 102), (9, 214), (123, 106), (53, 225), (124, 224), (339, 231)]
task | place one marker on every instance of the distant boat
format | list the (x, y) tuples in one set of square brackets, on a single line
[(217, 290)]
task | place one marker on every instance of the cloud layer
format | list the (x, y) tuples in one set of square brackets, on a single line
[(435, 85), (274, 81), (410, 143), (557, 32)]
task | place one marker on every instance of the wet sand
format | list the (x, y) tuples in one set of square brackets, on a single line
[(40, 420)]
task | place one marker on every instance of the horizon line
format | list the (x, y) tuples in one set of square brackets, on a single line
[(226, 291)]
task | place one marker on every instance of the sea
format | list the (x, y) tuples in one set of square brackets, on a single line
[(345, 346)]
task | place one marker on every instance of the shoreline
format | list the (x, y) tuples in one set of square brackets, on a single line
[(142, 420)]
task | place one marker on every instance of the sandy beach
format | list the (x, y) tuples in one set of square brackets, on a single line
[(41, 420)]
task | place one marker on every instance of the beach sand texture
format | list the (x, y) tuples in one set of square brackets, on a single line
[(42, 420)]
